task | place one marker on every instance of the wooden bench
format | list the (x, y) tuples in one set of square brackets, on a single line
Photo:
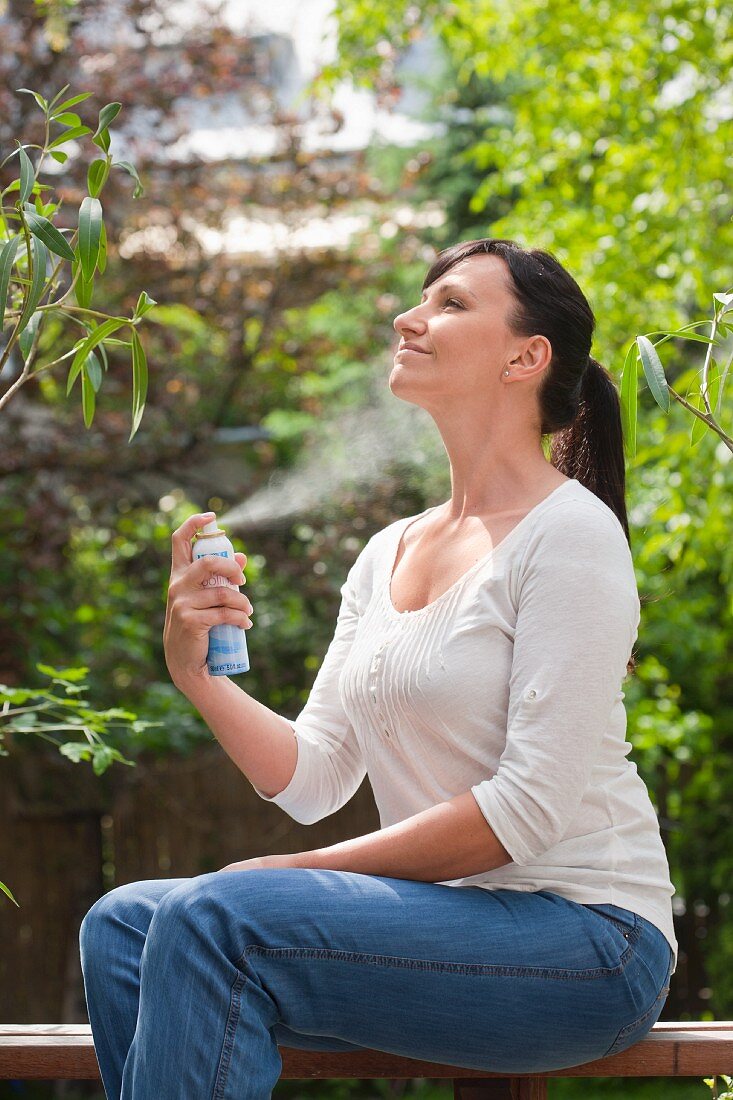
[(66, 1051)]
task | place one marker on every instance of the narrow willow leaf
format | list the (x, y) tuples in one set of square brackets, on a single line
[(97, 176), (696, 336), (67, 118), (144, 304), (26, 338), (139, 382), (88, 399), (73, 101), (713, 383), (89, 342), (27, 175), (84, 291), (38, 281), (7, 259), (47, 232), (38, 98), (629, 387), (653, 372), (69, 135), (139, 189), (102, 260), (94, 370), (90, 228), (723, 380), (106, 115), (53, 105), (5, 890), (102, 140)]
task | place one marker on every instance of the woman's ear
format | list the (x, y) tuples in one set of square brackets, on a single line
[(533, 359)]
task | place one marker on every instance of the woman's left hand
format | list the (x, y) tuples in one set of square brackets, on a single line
[(259, 862)]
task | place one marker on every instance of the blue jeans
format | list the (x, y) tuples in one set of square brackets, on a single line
[(193, 983)]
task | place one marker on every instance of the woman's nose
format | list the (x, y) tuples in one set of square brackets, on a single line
[(409, 321)]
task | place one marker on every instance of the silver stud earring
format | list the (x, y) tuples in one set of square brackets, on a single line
[(506, 372)]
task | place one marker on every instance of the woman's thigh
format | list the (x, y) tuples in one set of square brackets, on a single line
[(502, 980)]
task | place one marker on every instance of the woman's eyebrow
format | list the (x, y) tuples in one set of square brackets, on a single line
[(452, 288)]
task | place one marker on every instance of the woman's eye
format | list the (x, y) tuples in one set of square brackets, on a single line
[(454, 302)]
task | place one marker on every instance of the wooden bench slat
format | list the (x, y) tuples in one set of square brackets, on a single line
[(672, 1049)]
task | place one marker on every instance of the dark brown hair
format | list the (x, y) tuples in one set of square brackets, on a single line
[(579, 403)]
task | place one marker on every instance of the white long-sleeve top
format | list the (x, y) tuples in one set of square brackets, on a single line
[(508, 684)]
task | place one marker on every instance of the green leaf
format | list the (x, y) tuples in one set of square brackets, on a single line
[(7, 259), (27, 175), (73, 101), (47, 232), (38, 281), (653, 372), (38, 98), (60, 157), (95, 337), (139, 189), (144, 304), (67, 118), (106, 115), (26, 338), (139, 382), (73, 674), (84, 291), (102, 260), (94, 370), (90, 223), (87, 397), (5, 890), (97, 176), (629, 388), (53, 105), (70, 135), (102, 141)]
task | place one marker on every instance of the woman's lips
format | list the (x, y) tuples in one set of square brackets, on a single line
[(411, 347)]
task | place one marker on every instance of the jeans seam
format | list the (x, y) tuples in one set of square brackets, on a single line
[(469, 969), (228, 1045)]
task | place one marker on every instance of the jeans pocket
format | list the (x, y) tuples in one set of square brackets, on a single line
[(637, 1030), (624, 926)]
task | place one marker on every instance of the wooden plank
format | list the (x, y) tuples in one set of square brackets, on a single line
[(507, 1088), (672, 1049)]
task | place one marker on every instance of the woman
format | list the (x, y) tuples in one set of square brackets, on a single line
[(475, 675)]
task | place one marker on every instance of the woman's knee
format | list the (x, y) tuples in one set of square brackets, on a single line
[(131, 905)]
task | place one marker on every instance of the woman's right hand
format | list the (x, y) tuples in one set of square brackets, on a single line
[(194, 605)]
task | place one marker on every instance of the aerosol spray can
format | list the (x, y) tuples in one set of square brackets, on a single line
[(227, 654)]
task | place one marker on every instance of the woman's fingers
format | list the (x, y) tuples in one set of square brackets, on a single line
[(204, 571), (219, 596), (181, 538)]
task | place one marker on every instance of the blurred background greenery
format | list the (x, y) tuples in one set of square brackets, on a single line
[(302, 165)]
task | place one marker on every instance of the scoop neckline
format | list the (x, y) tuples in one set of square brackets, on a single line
[(404, 524)]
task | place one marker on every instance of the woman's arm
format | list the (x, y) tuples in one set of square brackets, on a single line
[(309, 767), (260, 742)]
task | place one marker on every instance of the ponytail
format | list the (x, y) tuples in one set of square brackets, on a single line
[(590, 449)]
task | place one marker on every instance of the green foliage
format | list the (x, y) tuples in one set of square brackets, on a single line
[(705, 401), (28, 234), (62, 708)]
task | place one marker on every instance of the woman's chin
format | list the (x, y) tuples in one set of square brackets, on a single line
[(405, 386)]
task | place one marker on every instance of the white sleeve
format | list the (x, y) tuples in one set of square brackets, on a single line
[(330, 767), (577, 620)]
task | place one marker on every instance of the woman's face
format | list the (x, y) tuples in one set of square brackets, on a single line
[(456, 342)]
